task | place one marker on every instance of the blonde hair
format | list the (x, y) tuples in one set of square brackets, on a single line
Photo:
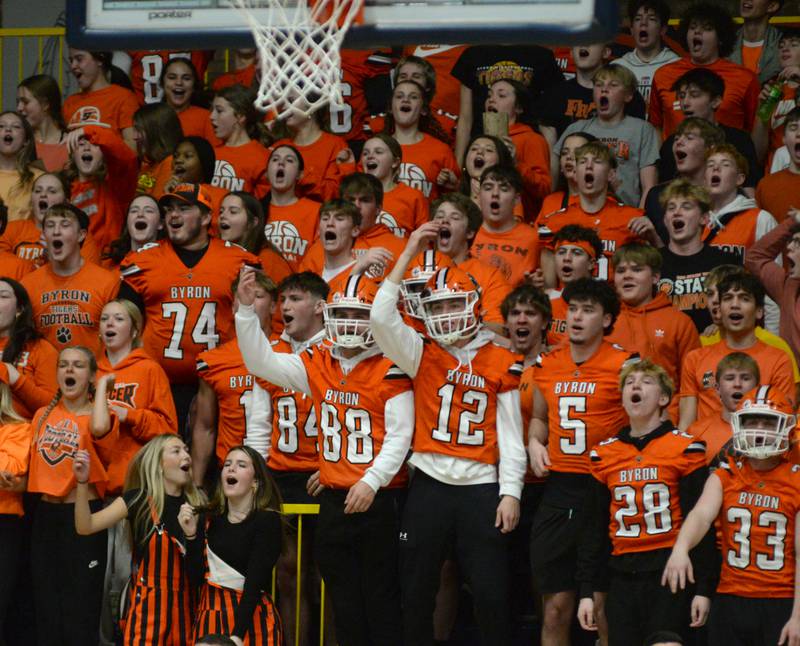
[(137, 322), (617, 73), (685, 189), (7, 413), (57, 397), (599, 150), (647, 367), (146, 475)]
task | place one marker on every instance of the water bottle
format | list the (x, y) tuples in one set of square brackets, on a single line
[(769, 104)]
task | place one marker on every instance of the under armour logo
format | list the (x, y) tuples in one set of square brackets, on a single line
[(404, 536), (93, 564)]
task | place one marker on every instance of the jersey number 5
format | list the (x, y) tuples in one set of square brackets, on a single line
[(575, 445), (204, 331)]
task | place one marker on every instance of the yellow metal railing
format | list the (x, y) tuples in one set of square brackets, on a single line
[(301, 511), (23, 36)]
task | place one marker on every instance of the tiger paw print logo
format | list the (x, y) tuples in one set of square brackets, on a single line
[(64, 335)]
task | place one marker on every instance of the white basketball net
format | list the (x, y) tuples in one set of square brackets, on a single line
[(298, 48)]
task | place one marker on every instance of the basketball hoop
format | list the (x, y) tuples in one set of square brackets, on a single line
[(298, 43)]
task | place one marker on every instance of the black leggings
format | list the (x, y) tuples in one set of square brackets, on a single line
[(68, 572), (11, 533)]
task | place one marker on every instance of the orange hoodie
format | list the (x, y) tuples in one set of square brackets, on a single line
[(36, 384), (141, 386), (15, 449), (106, 201), (659, 332), (533, 163)]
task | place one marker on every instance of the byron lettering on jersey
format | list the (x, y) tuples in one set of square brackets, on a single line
[(56, 443), (124, 393), (638, 475), (574, 388), (181, 293), (759, 500), (341, 397), (240, 381), (466, 378)]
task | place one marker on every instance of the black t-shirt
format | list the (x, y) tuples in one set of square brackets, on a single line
[(683, 280), (169, 517), (740, 139), (480, 66), (653, 210), (569, 101)]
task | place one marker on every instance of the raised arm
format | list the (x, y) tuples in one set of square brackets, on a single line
[(87, 522)]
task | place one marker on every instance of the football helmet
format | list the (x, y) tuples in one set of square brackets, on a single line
[(763, 423), (346, 313), (417, 276), (451, 305)]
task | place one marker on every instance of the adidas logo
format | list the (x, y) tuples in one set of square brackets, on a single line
[(659, 333)]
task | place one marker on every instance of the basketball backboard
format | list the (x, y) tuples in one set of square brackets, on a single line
[(205, 24)]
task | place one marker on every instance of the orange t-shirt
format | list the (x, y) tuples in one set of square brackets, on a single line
[(24, 239), (321, 171), (533, 163), (15, 440), (106, 202), (777, 192), (294, 445), (404, 209), (187, 310), (242, 168), (36, 384), (584, 405), (293, 228), (13, 266), (456, 405), (350, 411), (244, 76), (645, 512), (610, 222), (422, 163), (514, 252), (113, 106), (751, 55), (700, 365), (494, 288), (142, 387), (715, 432), (55, 441), (448, 87), (66, 309), (376, 123), (757, 528), (147, 65), (196, 122), (557, 333), (739, 102), (53, 156), (224, 371), (557, 201)]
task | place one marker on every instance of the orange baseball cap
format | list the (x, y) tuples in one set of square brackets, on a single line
[(193, 194)]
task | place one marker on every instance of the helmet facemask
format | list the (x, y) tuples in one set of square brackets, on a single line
[(450, 316), (344, 328), (761, 432)]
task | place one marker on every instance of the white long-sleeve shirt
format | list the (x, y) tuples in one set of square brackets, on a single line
[(288, 371), (405, 347)]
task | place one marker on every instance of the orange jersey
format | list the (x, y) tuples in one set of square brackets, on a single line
[(422, 163), (293, 228), (224, 371), (757, 526), (700, 365), (24, 239), (15, 448), (347, 118), (12, 266), (532, 156), (583, 403), (514, 252), (187, 310), (350, 412), (404, 209), (739, 102), (557, 201), (196, 122), (321, 171), (142, 388), (494, 288), (106, 201), (147, 66), (242, 168), (448, 88), (294, 445), (714, 431), (526, 385), (113, 106), (645, 510), (610, 223), (66, 309), (55, 441), (737, 234), (657, 331), (36, 384), (557, 332), (456, 407)]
